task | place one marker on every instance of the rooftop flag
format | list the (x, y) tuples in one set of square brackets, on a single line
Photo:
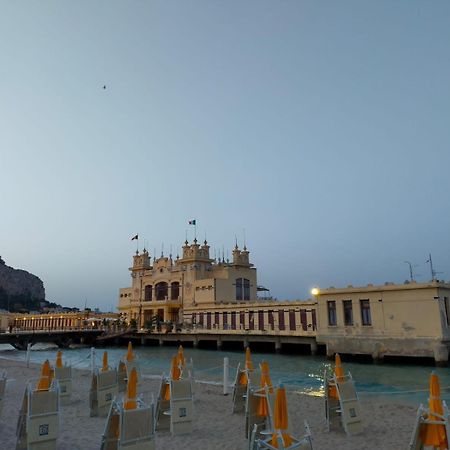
[(135, 237), (192, 222)]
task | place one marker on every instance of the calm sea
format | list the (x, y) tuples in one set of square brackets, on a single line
[(302, 373)]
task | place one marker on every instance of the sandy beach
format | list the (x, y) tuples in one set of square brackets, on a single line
[(387, 425)]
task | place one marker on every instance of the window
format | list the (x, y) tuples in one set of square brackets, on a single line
[(331, 313), (366, 318), (281, 324), (238, 288), (161, 291), (242, 289), (246, 289), (175, 290), (348, 312), (148, 293), (447, 318)]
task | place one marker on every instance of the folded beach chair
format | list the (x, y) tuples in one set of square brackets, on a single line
[(38, 423), (259, 405), (2, 389), (431, 428), (181, 407), (130, 424), (104, 388), (126, 365), (63, 374), (280, 439), (342, 407), (244, 378), (162, 413)]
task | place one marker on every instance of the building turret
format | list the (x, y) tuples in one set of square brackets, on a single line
[(141, 261)]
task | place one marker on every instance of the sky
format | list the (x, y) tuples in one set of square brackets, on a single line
[(321, 128)]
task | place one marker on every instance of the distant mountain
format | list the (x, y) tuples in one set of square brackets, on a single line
[(20, 291)]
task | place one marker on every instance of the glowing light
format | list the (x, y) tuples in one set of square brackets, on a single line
[(315, 291)]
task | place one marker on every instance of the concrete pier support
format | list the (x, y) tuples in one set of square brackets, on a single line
[(195, 343), (219, 344), (277, 346), (161, 342), (440, 353), (142, 340), (313, 347), (246, 343)]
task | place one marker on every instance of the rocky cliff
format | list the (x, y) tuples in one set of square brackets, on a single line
[(19, 287)]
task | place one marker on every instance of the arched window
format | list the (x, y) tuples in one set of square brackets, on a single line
[(161, 290), (175, 290), (148, 293), (238, 288)]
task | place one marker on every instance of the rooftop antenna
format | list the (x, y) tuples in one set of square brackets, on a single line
[(411, 275), (162, 249), (245, 241), (235, 241), (85, 304), (154, 254), (186, 235), (223, 253), (433, 272)]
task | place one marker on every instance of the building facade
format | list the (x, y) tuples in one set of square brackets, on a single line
[(169, 289), (410, 319), (220, 298)]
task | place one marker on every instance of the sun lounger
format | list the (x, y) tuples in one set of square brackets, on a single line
[(124, 369), (181, 407), (305, 443), (38, 424), (423, 420), (131, 429), (240, 390), (2, 389), (263, 424), (104, 388), (345, 410), (162, 413), (64, 377)]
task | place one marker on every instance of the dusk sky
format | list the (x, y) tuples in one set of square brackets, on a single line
[(322, 128)]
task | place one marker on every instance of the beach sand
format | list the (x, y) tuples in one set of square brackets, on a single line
[(388, 426)]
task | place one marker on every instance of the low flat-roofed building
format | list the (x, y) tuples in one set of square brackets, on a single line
[(410, 319)]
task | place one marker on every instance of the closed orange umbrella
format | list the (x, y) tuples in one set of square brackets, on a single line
[(105, 362), (434, 434), (281, 419), (59, 363), (263, 407), (175, 374), (130, 355), (131, 402), (243, 379), (339, 373), (181, 360), (44, 381)]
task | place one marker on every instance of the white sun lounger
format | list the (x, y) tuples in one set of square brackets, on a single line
[(162, 413), (240, 391), (305, 443), (346, 410), (181, 407), (2, 389), (129, 429), (263, 424), (38, 423), (64, 377), (124, 370), (104, 388), (422, 420)]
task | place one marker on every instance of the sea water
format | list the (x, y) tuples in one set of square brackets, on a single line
[(302, 373)]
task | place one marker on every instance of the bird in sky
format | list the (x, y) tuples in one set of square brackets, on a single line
[(104, 86)]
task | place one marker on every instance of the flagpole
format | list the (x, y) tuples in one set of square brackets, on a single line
[(195, 229)]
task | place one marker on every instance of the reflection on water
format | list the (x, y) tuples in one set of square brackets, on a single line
[(399, 383)]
